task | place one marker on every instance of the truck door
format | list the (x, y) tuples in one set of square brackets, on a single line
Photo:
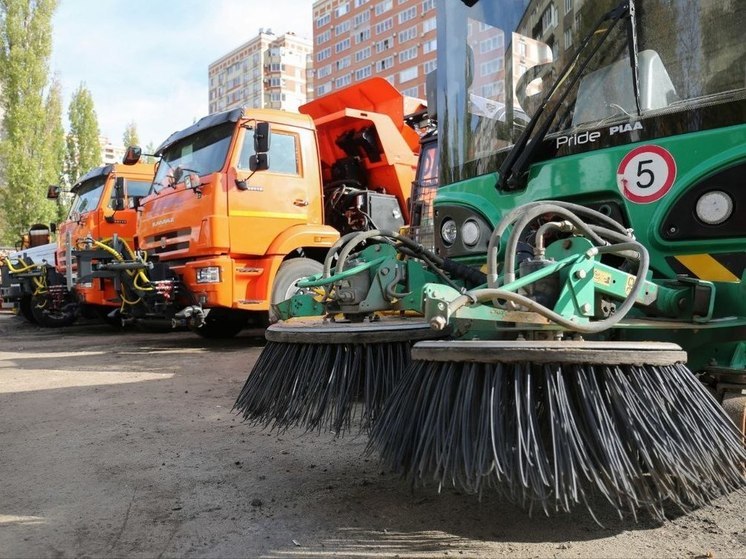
[(263, 204)]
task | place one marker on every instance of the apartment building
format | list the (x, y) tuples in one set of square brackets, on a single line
[(110, 152), (356, 39), (268, 71)]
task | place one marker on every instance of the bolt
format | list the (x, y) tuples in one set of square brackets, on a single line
[(567, 244), (441, 306), (437, 323), (672, 230), (580, 274), (384, 271), (586, 308)]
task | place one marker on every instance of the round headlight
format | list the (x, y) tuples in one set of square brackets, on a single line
[(470, 232), (714, 207), (448, 231)]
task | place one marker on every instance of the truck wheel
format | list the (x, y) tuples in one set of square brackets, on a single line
[(24, 309), (50, 318), (222, 323), (734, 405), (290, 272)]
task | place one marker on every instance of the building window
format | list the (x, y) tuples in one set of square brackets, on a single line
[(342, 10), (342, 45), (429, 66), (568, 39), (568, 5), (362, 54), (428, 25), (359, 3), (343, 63), (323, 20), (323, 89), (362, 73), (408, 34), (361, 18), (429, 46), (384, 26), (408, 74), (521, 48), (343, 81), (362, 35), (549, 18), (428, 5), (384, 6), (490, 67), (383, 45), (409, 13), (342, 28), (412, 91), (384, 63), (408, 54), (324, 71), (490, 44), (323, 54)]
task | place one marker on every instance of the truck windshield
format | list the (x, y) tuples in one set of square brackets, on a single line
[(87, 196), (502, 56), (202, 153)]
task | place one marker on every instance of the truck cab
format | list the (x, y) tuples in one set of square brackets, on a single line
[(247, 202), (103, 214)]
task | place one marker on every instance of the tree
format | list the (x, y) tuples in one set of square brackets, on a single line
[(83, 147), (56, 151), (26, 163), (150, 149), (130, 137)]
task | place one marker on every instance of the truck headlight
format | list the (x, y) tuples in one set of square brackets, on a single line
[(210, 274), (448, 231), (470, 232)]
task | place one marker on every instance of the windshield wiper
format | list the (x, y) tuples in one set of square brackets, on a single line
[(522, 153)]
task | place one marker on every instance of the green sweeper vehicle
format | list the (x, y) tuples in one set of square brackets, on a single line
[(579, 329)]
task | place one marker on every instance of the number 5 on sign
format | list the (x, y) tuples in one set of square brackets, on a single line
[(646, 174)]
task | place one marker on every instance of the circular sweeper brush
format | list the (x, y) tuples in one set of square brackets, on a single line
[(552, 425), (327, 375)]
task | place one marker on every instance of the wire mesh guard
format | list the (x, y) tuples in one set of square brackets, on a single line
[(553, 425)]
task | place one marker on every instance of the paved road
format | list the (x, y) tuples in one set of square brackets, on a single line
[(123, 444)]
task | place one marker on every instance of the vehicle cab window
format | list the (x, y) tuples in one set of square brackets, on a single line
[(283, 153)]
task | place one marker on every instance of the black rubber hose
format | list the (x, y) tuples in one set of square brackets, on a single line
[(471, 275)]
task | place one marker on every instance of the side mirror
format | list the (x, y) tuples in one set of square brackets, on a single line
[(118, 200), (259, 162), (261, 137), (191, 181), (53, 192), (132, 155), (53, 227)]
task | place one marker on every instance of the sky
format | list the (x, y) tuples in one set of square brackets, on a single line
[(146, 61)]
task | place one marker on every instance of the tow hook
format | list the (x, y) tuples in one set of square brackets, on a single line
[(194, 315)]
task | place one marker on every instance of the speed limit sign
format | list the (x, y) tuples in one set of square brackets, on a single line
[(646, 174)]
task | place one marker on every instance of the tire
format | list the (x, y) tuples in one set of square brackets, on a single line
[(290, 272), (50, 319), (24, 309), (222, 324)]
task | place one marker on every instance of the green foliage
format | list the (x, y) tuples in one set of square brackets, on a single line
[(56, 151), (130, 136), (27, 160), (150, 148), (83, 147)]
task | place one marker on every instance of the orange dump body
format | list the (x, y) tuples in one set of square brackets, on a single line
[(92, 217), (241, 224)]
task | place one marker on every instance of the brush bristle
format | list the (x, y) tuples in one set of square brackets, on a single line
[(321, 386), (556, 436)]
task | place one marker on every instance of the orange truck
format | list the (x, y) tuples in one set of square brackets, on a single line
[(103, 214), (247, 202)]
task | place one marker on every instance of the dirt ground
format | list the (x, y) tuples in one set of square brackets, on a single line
[(124, 445)]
